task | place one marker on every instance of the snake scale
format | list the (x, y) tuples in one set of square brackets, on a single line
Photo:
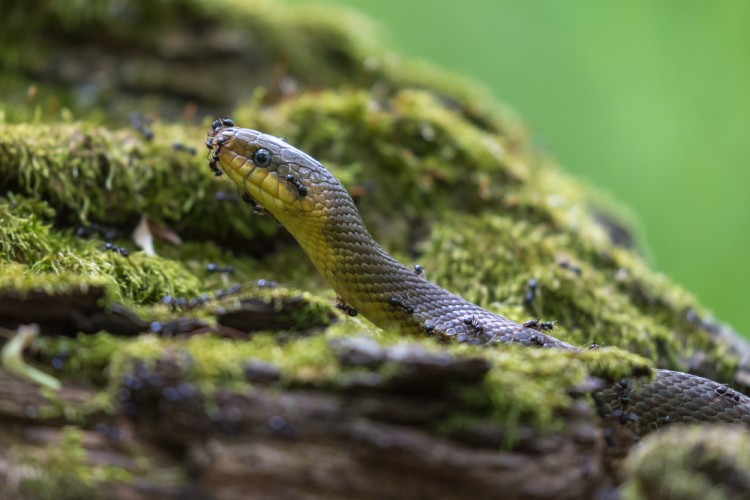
[(319, 213)]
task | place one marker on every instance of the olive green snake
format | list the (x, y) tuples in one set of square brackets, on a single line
[(319, 213)]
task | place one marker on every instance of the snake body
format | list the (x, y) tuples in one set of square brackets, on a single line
[(319, 213)]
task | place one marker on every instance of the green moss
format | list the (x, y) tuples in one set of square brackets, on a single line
[(85, 356), (237, 44), (531, 386), (64, 472), (690, 462), (137, 279), (15, 279), (91, 174), (321, 45), (24, 228), (535, 387), (613, 364), (211, 362)]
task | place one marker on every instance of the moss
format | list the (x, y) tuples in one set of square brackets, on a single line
[(316, 42), (24, 228), (15, 278), (211, 363), (92, 174), (690, 462), (64, 472), (85, 356), (535, 387), (234, 42), (38, 256), (539, 403), (138, 278)]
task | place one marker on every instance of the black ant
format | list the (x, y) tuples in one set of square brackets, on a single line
[(591, 346), (429, 328), (571, 267), (198, 301), (537, 339), (398, 302), (257, 209), (222, 122), (726, 391), (343, 306), (261, 283), (214, 169), (540, 326), (141, 125), (114, 248), (215, 157), (301, 188), (534, 324), (418, 270), (107, 233), (213, 267), (474, 323), (174, 303), (178, 146), (232, 290)]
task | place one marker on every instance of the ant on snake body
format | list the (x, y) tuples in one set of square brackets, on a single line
[(301, 188), (474, 324), (396, 301)]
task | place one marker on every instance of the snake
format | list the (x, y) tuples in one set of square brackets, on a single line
[(316, 208)]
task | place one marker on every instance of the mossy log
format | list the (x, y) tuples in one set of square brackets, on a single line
[(219, 366)]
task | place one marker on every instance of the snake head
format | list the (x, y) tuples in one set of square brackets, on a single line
[(288, 183)]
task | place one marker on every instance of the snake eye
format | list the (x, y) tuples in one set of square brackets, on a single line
[(262, 158)]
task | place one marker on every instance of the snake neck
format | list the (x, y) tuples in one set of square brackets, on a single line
[(389, 294), (364, 275)]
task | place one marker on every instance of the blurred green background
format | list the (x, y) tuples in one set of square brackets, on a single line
[(648, 100)]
